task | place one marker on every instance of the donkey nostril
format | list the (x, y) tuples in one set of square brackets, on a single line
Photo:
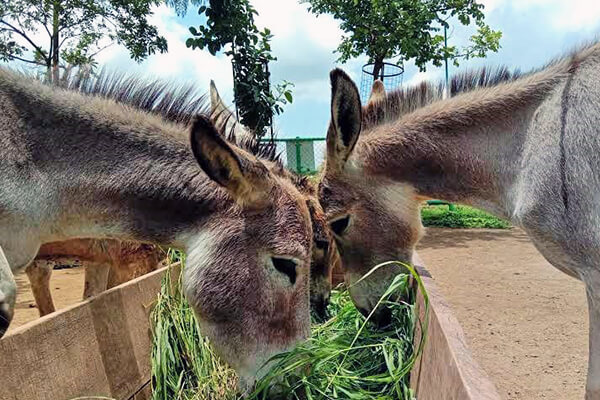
[(285, 266)]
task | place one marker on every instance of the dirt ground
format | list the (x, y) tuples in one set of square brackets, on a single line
[(66, 286), (525, 321)]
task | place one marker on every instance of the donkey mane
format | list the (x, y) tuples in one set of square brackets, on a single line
[(471, 89), (175, 103), (178, 104)]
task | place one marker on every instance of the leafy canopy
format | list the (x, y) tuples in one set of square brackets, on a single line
[(230, 26), (407, 29), (44, 32)]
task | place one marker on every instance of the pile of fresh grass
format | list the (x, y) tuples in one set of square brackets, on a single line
[(346, 357), (460, 217)]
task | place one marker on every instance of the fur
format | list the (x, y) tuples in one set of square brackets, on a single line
[(522, 146), (73, 165)]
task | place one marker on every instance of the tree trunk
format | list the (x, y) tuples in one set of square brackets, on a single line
[(55, 43), (378, 69)]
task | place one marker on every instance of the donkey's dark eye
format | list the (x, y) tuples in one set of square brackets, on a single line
[(322, 244), (285, 266), (339, 226)]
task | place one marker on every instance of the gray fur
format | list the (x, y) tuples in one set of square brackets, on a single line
[(77, 166), (524, 148)]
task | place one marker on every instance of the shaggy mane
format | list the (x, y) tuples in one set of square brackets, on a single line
[(405, 100), (483, 93), (174, 103)]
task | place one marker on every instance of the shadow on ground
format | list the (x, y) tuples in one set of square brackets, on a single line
[(438, 238)]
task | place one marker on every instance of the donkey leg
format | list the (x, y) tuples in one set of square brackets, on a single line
[(96, 279), (39, 273), (8, 294), (593, 378)]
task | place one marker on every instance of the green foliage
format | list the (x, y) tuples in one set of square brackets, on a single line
[(461, 217), (43, 32), (230, 25), (181, 6), (407, 29), (346, 357), (183, 364)]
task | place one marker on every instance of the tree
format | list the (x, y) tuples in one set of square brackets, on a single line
[(230, 24), (407, 29), (46, 32), (181, 6)]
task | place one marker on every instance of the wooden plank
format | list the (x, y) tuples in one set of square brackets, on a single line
[(446, 369), (145, 393), (100, 347)]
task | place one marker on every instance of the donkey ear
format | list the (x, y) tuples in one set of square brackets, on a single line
[(345, 118), (377, 92), (242, 177), (217, 106)]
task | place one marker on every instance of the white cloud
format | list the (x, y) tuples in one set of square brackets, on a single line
[(303, 44), (180, 63), (285, 18), (569, 16), (431, 75)]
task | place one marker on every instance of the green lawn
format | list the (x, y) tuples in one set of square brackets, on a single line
[(460, 217)]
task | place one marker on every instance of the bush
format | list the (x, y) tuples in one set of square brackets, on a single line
[(461, 217)]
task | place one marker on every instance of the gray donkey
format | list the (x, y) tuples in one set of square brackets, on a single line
[(525, 148), (74, 165)]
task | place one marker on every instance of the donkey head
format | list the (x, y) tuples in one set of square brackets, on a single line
[(247, 272), (372, 222), (324, 253)]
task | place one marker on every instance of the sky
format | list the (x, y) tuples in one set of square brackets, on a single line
[(534, 32)]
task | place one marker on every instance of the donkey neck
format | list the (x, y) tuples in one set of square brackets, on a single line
[(469, 167), (466, 149), (106, 169)]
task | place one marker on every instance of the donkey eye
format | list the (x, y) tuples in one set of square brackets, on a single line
[(339, 226), (285, 266), (322, 244)]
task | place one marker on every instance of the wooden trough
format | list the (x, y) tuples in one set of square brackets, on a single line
[(101, 347)]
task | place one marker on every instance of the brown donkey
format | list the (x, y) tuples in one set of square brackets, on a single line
[(111, 262), (107, 263), (74, 166), (525, 148), (324, 253)]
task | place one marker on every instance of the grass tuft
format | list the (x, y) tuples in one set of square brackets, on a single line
[(461, 217), (345, 358)]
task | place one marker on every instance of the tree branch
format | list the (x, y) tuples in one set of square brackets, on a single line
[(39, 50), (27, 61), (99, 50)]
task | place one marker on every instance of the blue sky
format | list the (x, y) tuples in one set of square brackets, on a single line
[(534, 31)]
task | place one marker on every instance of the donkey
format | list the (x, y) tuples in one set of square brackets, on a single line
[(107, 262), (74, 165), (324, 254), (179, 105), (523, 147)]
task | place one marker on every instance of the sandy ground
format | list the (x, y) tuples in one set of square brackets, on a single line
[(66, 286), (525, 321)]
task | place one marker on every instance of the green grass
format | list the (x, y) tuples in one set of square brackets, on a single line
[(345, 358), (461, 217)]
